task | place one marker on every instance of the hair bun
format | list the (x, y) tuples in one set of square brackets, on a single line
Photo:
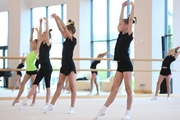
[(70, 22), (134, 20)]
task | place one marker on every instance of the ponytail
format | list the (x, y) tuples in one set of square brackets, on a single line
[(126, 21), (50, 33), (71, 26)]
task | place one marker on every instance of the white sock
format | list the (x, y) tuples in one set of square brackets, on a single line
[(71, 111), (104, 108), (24, 103), (45, 106), (168, 98), (101, 113), (127, 112), (49, 108)]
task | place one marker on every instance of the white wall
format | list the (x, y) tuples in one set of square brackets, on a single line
[(3, 5), (40, 3)]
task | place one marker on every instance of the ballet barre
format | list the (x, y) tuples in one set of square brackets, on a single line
[(58, 58), (13, 69)]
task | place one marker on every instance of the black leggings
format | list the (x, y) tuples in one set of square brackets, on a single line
[(45, 71)]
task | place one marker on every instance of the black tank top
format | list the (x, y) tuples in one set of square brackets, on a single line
[(121, 51), (167, 61), (67, 52), (44, 53), (94, 64), (21, 65), (37, 64)]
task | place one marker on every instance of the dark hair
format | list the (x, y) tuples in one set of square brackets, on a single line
[(176, 50), (70, 26), (36, 40), (126, 21), (50, 33)]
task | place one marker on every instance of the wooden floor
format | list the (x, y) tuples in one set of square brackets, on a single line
[(87, 107)]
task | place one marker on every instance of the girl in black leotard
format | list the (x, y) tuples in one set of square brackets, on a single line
[(121, 55), (68, 68), (44, 47), (166, 71), (19, 74), (95, 73)]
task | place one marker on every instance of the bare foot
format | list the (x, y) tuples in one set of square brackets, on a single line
[(15, 101)]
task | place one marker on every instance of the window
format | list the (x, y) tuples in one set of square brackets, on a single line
[(4, 28), (38, 13), (103, 64), (99, 33), (170, 23), (4, 41), (4, 35), (56, 36), (115, 9), (105, 14), (99, 20)]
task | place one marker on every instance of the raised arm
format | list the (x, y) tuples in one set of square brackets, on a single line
[(62, 27), (177, 54), (40, 29), (38, 41), (131, 18), (122, 10), (31, 37), (47, 32), (39, 32), (102, 55)]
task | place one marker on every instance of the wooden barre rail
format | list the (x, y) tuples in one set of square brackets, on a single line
[(58, 58), (12, 69)]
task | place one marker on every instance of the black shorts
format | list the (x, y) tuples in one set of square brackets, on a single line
[(19, 73), (67, 69), (165, 71), (31, 72), (94, 72), (124, 66)]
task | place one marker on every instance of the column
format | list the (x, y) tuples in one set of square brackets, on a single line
[(19, 32), (147, 37)]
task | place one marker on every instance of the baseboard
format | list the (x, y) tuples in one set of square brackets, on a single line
[(12, 88), (143, 91)]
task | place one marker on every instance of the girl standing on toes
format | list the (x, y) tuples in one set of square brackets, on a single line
[(166, 71), (68, 68), (125, 68), (95, 73), (19, 74), (31, 69), (44, 46)]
